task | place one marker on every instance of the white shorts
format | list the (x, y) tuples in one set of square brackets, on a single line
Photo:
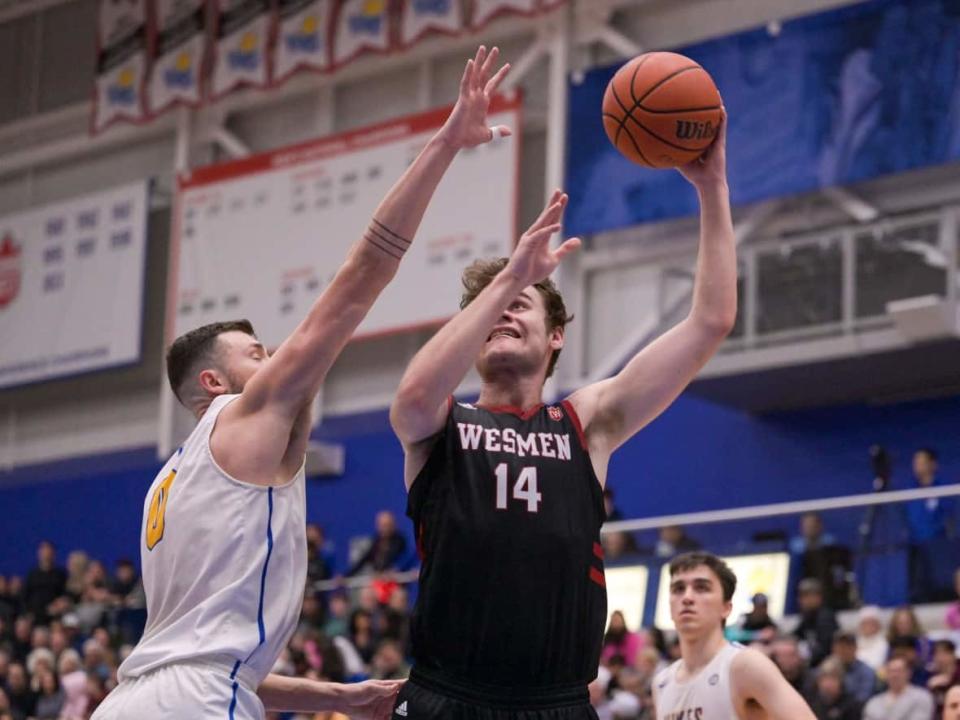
[(194, 690)]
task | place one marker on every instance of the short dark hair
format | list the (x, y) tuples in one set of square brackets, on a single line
[(929, 452), (698, 558), (480, 273), (904, 642), (196, 345), (845, 637), (949, 645)]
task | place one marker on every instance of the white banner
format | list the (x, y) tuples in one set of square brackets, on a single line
[(179, 37), (302, 38), (422, 16), (486, 10), (362, 26), (71, 286), (243, 31), (121, 63)]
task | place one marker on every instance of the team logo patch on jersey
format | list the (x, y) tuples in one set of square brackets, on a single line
[(555, 413), (714, 679)]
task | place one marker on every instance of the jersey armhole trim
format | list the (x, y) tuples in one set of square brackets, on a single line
[(575, 419)]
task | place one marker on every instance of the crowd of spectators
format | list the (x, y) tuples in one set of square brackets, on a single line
[(65, 630)]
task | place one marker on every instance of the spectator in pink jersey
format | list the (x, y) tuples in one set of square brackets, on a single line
[(620, 641), (953, 611)]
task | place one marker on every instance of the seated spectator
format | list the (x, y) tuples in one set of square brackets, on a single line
[(946, 672), (77, 563), (125, 585), (8, 606), (929, 524), (23, 700), (818, 623), (618, 640), (50, 698), (904, 623), (673, 541), (311, 612), (388, 662), (953, 610), (363, 635), (872, 646), (396, 618), (22, 637), (905, 648), (6, 710), (618, 545), (338, 616), (45, 583), (951, 710), (830, 700), (901, 701), (758, 622), (73, 680), (785, 653), (388, 549), (859, 679), (320, 558)]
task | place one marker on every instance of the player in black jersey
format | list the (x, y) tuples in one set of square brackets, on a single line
[(506, 494)]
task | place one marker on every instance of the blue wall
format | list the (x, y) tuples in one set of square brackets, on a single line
[(696, 456)]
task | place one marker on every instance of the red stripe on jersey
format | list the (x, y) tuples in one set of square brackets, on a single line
[(598, 550), (598, 577), (576, 423)]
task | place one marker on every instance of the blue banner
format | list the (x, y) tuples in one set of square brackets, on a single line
[(833, 99)]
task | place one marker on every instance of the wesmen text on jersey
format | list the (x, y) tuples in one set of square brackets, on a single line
[(507, 512)]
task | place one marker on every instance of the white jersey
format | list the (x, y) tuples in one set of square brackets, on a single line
[(224, 564), (705, 696)]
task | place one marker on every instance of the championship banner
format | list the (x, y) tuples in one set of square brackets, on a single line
[(179, 37), (302, 40), (71, 285), (121, 63), (485, 10), (361, 26), (240, 56), (420, 17)]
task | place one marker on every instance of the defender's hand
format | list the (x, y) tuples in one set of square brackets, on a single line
[(467, 124)]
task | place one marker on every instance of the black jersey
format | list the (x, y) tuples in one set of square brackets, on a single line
[(507, 513)]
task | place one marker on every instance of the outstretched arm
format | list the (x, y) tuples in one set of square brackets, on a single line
[(370, 700), (613, 410), (261, 420), (757, 681), (419, 407)]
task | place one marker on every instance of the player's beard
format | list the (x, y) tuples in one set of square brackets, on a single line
[(234, 384)]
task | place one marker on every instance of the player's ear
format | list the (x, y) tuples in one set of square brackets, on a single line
[(213, 382), (727, 608), (555, 338)]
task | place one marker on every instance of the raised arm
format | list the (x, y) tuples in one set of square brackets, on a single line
[(613, 410), (756, 681), (294, 374), (419, 407)]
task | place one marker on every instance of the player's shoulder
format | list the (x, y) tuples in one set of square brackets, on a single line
[(663, 678), (749, 665)]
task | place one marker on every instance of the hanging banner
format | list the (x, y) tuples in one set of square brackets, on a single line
[(420, 17), (240, 58), (179, 41), (361, 26), (302, 41), (485, 10), (121, 63)]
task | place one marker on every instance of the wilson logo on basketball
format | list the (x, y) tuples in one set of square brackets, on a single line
[(687, 130), (9, 270)]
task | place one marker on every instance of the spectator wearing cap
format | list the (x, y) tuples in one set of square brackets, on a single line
[(872, 646), (946, 672), (758, 622), (859, 679), (830, 700), (951, 710), (901, 701), (817, 622)]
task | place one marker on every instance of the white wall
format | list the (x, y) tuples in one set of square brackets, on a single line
[(45, 75)]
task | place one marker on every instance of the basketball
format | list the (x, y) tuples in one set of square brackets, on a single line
[(661, 110)]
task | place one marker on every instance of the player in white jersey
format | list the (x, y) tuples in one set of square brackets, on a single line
[(715, 679), (223, 538)]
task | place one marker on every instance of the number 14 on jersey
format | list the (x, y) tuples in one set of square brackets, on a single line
[(524, 489)]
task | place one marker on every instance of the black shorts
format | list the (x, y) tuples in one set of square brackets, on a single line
[(420, 699)]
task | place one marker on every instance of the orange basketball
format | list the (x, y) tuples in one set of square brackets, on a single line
[(661, 110)]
